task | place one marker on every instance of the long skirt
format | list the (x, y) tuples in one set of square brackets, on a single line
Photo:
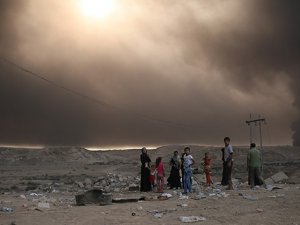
[(174, 178), (145, 179)]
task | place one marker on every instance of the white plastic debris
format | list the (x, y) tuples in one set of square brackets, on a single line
[(191, 219), (166, 195), (6, 209), (158, 215), (35, 194), (183, 197)]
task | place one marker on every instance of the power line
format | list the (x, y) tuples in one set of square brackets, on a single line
[(89, 98)]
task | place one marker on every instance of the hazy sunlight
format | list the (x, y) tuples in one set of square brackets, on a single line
[(98, 9)]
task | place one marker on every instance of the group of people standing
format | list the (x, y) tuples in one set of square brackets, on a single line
[(180, 175), (181, 171)]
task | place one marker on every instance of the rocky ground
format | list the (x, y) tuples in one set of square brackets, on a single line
[(40, 185)]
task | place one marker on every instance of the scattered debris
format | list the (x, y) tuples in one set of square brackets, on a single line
[(167, 195), (94, 197), (269, 181), (200, 195), (43, 205), (183, 197), (158, 215), (105, 199), (248, 197), (271, 187), (6, 209), (183, 205), (23, 196), (155, 198), (277, 178), (191, 219), (259, 210), (165, 211), (276, 196), (129, 199), (134, 187), (35, 194), (37, 209)]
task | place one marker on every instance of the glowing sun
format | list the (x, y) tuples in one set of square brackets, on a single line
[(98, 9)]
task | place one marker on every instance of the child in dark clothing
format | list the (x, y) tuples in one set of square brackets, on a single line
[(207, 168)]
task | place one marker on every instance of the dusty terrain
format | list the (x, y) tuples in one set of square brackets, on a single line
[(53, 176)]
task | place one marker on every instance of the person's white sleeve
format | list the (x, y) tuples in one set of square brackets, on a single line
[(230, 149)]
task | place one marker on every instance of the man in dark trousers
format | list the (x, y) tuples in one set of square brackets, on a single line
[(227, 153), (254, 166)]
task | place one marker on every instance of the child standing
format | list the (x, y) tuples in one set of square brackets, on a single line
[(160, 174), (187, 177), (152, 176), (207, 168)]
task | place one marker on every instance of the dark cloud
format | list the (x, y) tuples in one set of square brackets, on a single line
[(170, 72)]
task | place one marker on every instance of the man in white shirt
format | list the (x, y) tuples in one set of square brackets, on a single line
[(188, 161), (227, 163)]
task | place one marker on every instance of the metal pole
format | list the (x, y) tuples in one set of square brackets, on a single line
[(260, 135), (250, 125)]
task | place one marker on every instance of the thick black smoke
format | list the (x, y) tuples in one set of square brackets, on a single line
[(170, 71), (260, 44)]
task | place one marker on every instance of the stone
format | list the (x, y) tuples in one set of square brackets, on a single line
[(80, 184), (88, 182), (134, 187), (88, 197), (100, 178), (97, 186), (117, 190), (269, 181), (105, 199), (23, 196), (279, 177), (43, 205)]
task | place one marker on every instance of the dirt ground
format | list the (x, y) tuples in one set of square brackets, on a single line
[(279, 206)]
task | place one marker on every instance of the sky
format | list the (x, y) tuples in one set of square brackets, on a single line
[(148, 73)]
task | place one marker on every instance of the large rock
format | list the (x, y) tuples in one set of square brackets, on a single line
[(279, 177), (94, 197)]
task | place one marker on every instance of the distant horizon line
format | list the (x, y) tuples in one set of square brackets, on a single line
[(114, 148)]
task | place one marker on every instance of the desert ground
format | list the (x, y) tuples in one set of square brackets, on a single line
[(40, 185)]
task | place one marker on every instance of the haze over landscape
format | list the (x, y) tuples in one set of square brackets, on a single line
[(148, 72)]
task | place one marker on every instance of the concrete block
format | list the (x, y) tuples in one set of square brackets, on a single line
[(279, 177)]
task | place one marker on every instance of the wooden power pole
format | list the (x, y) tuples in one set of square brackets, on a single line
[(255, 122)]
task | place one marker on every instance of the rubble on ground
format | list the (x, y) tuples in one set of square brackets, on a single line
[(279, 177)]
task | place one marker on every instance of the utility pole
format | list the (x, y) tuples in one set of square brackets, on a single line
[(250, 126), (255, 122)]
